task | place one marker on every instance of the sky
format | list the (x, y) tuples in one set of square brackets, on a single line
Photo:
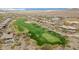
[(40, 8), (32, 9)]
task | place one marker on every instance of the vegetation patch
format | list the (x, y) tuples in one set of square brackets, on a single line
[(41, 35)]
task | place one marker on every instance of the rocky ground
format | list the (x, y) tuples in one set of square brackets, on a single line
[(10, 41)]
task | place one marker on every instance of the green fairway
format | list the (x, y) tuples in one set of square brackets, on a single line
[(39, 34)]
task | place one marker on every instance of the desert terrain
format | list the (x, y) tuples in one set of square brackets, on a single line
[(39, 29)]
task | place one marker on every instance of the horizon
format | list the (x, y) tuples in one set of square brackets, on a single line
[(32, 9), (40, 8)]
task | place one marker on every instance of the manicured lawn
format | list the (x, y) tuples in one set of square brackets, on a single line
[(39, 34)]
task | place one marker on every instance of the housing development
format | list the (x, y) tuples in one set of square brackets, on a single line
[(39, 29)]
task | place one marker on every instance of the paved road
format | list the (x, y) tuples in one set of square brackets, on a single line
[(5, 23)]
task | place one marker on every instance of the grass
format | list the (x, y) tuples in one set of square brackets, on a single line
[(50, 38), (39, 34), (1, 17)]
